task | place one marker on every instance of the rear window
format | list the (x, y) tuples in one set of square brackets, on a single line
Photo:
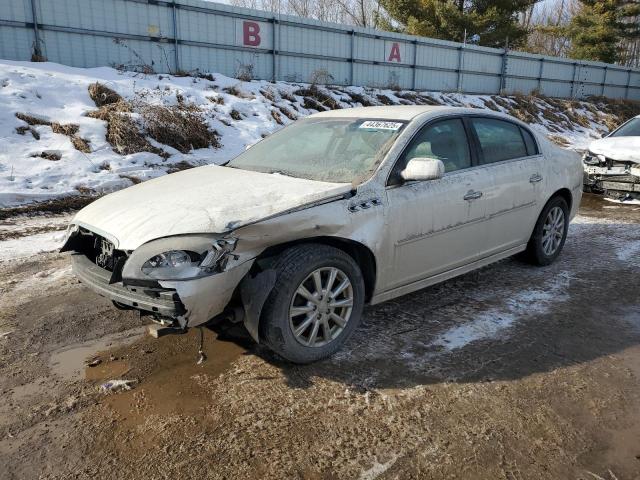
[(499, 140), (532, 147)]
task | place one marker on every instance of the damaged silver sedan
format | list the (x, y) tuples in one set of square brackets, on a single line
[(344, 208), (612, 163)]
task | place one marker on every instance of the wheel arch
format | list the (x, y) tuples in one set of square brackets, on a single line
[(565, 193), (361, 254)]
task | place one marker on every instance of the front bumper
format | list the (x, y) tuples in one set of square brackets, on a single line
[(163, 302), (193, 302), (615, 182)]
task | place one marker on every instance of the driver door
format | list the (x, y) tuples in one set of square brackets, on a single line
[(436, 225)]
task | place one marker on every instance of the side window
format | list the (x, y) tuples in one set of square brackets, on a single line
[(532, 147), (499, 140), (445, 140)]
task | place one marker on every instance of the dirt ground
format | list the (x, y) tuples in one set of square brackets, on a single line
[(510, 372)]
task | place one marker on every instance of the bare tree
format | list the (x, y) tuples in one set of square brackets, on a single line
[(544, 22), (351, 12)]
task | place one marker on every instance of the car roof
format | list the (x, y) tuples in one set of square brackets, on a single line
[(401, 112)]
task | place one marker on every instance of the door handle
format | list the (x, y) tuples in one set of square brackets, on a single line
[(535, 178), (472, 195)]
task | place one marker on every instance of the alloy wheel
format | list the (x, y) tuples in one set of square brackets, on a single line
[(553, 231), (321, 307)]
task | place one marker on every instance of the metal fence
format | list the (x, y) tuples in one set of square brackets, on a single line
[(168, 36)]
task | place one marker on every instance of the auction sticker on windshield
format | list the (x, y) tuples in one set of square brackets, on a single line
[(376, 125)]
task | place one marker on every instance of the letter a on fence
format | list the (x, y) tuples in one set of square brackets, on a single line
[(394, 55)]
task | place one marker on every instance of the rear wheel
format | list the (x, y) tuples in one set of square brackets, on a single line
[(315, 305), (550, 233)]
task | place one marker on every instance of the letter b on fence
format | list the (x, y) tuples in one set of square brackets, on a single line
[(250, 34)]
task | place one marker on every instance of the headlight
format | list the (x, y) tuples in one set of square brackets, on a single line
[(593, 159), (185, 264)]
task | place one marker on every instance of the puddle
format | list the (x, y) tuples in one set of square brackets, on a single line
[(69, 362), (169, 382)]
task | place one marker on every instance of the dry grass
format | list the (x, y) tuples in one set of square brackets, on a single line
[(383, 99), (288, 113), (103, 95), (59, 205), (134, 180), (276, 116), (81, 144), (48, 155), (68, 129), (22, 130), (180, 166), (558, 140), (361, 99), (180, 126), (235, 91), (218, 100), (125, 136), (318, 99), (32, 119)]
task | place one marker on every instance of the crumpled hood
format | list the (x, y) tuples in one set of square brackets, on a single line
[(209, 199), (624, 149)]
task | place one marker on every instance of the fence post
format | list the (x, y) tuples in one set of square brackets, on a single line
[(573, 80), (626, 90), (274, 44), (38, 51), (540, 72), (415, 62), (460, 66), (503, 72), (174, 14), (353, 36), (604, 80)]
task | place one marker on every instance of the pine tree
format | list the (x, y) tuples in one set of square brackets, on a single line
[(598, 31), (496, 22)]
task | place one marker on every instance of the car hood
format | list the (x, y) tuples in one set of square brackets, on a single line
[(623, 149), (209, 199)]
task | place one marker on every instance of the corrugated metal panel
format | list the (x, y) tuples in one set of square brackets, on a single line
[(430, 56), (558, 70), (216, 37), (435, 80), (15, 43), (521, 85)]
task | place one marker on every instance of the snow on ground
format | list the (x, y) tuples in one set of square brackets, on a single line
[(492, 323), (24, 247), (240, 112)]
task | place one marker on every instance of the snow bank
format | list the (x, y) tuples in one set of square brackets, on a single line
[(240, 112)]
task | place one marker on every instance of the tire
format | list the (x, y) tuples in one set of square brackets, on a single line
[(541, 250), (286, 309)]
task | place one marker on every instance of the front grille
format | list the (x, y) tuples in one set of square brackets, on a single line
[(101, 252)]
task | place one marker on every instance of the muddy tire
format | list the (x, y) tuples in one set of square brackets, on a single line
[(315, 304), (549, 234)]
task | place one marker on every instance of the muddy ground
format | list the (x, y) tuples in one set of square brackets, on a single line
[(510, 372)]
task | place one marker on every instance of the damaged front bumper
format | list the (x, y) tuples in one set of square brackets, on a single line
[(188, 303), (158, 301), (618, 181)]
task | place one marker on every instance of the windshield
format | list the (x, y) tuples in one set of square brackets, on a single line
[(341, 150), (629, 129)]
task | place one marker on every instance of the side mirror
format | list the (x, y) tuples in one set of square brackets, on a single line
[(423, 169)]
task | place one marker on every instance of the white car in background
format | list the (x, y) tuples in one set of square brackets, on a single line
[(341, 209), (612, 164)]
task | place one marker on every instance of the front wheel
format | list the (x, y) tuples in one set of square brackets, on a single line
[(549, 233), (315, 305)]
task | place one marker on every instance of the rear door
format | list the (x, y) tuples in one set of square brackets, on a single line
[(510, 157)]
